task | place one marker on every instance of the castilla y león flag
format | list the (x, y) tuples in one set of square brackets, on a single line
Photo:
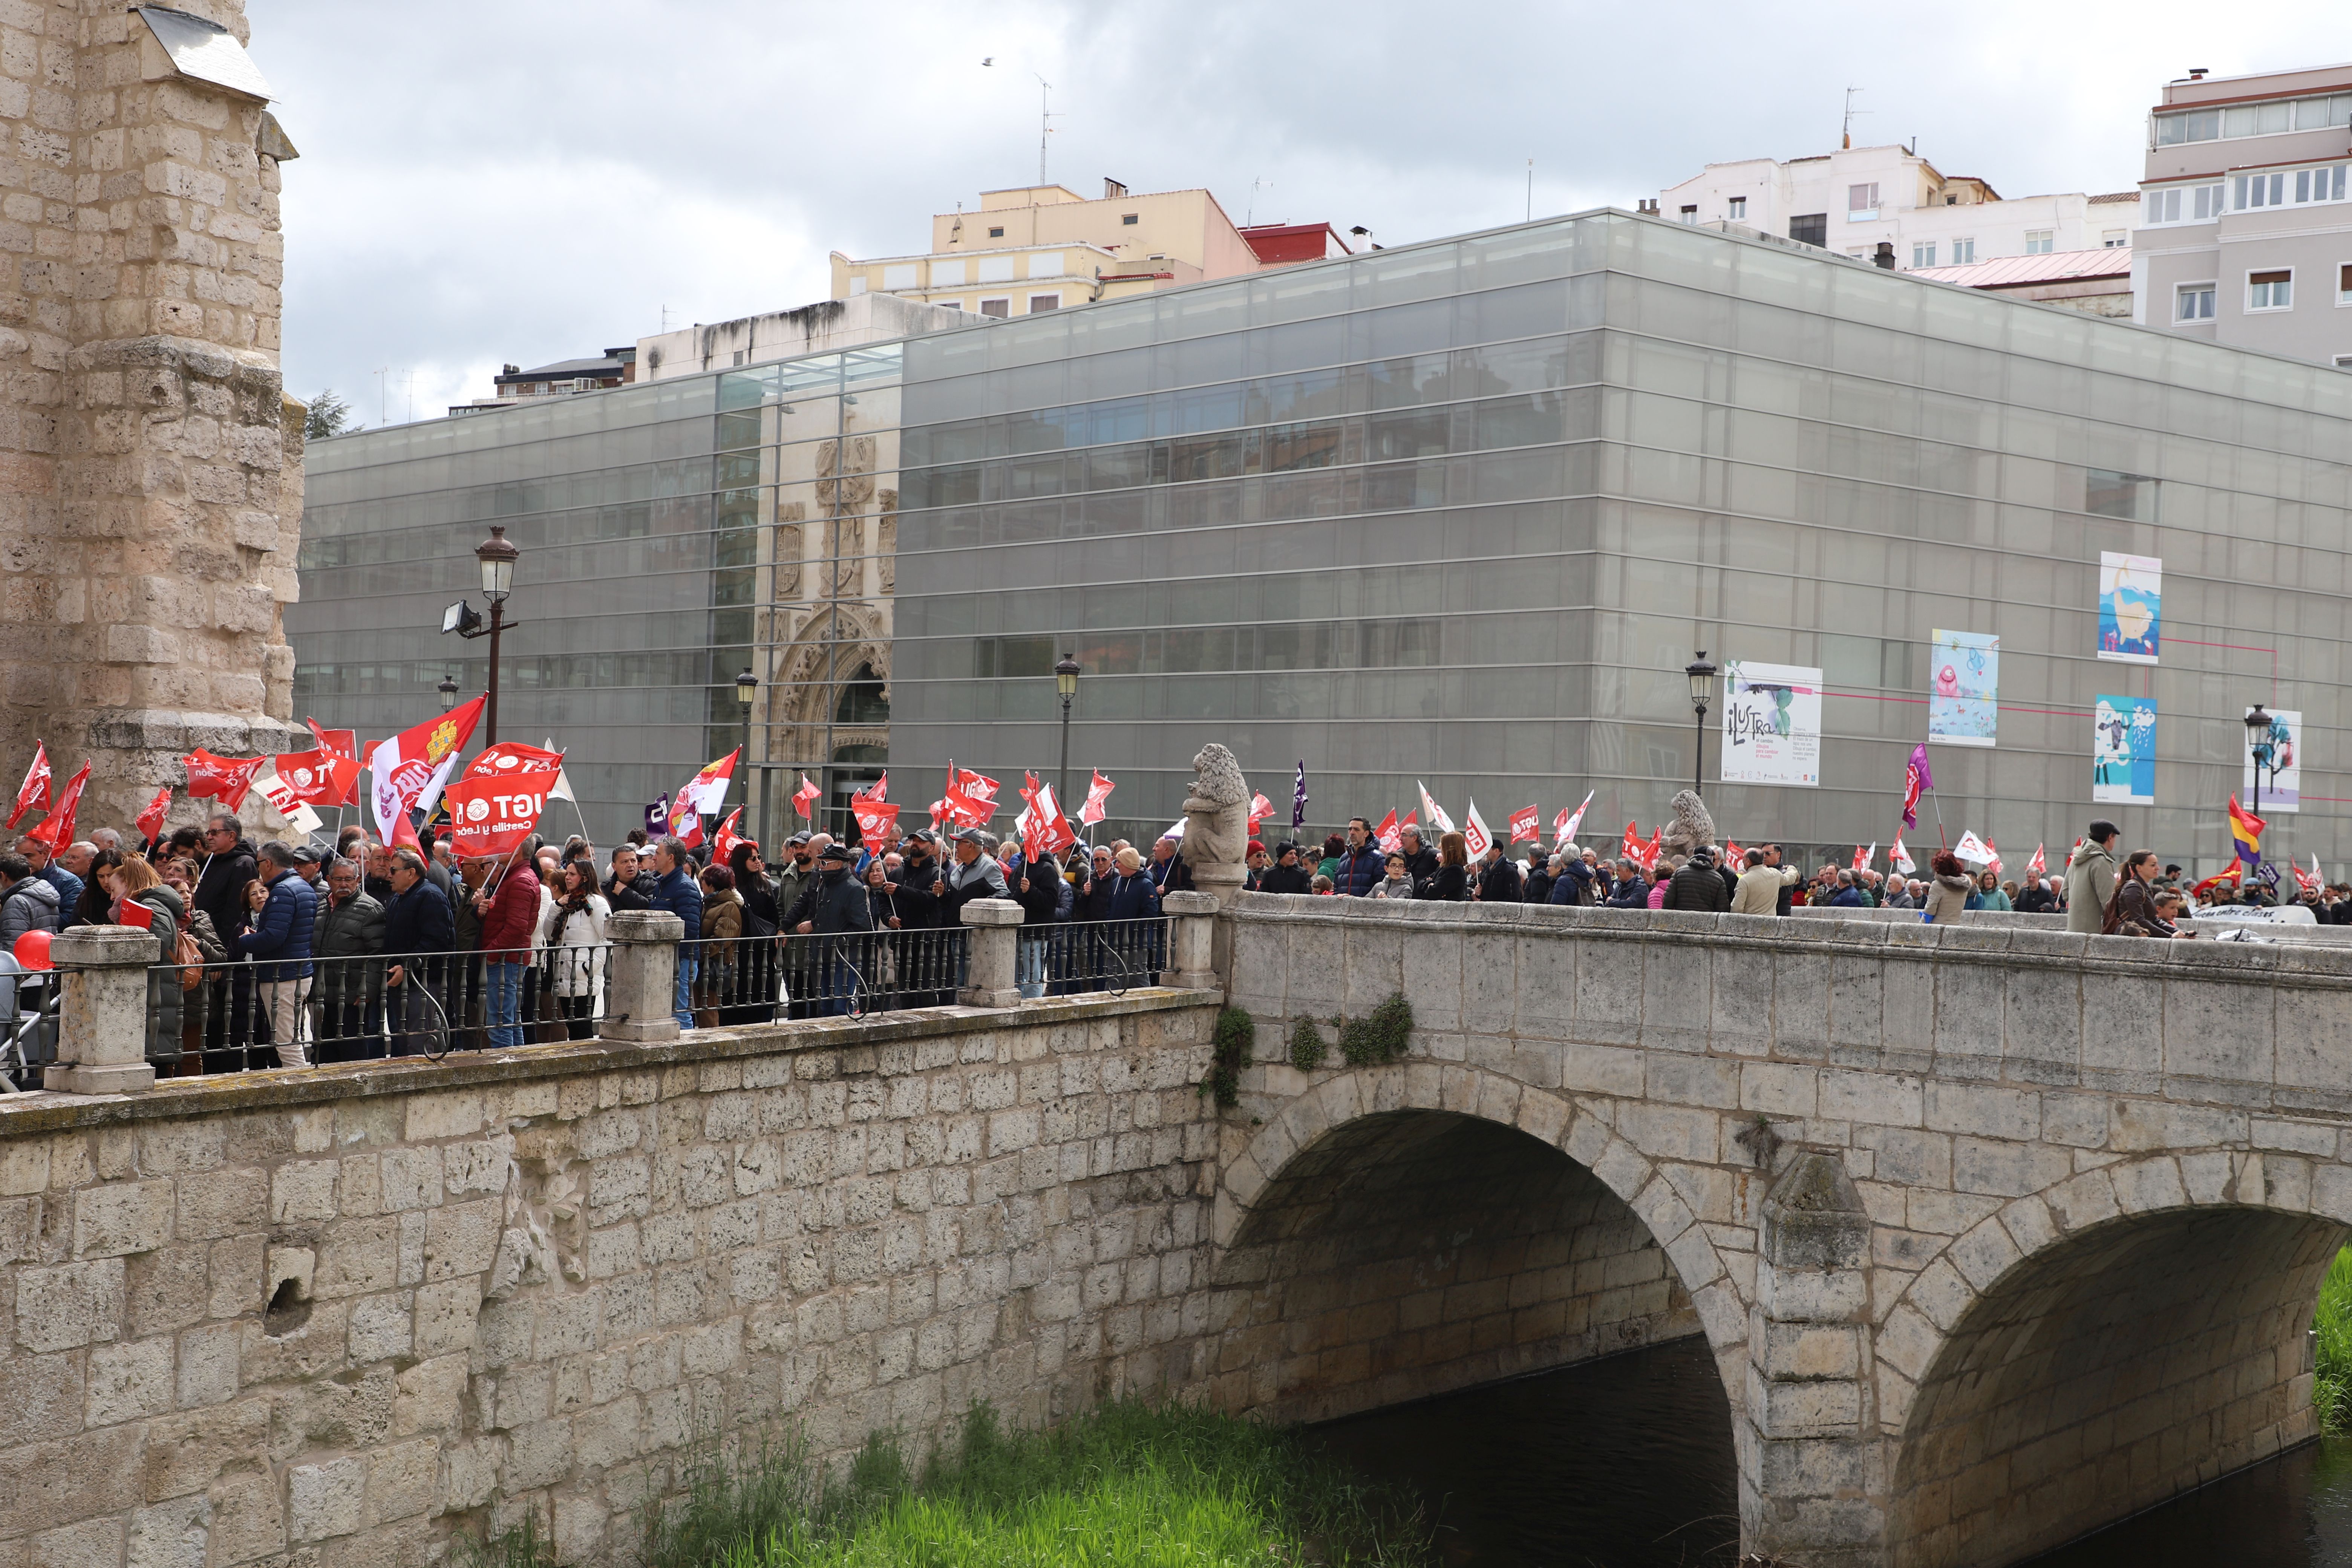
[(407, 771)]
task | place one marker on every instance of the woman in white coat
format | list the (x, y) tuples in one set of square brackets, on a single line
[(572, 935)]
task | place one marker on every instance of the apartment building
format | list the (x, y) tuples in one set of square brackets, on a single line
[(1855, 199), (1045, 247), (2246, 220)]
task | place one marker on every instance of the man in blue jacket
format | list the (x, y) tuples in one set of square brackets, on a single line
[(416, 923), (676, 889), (280, 943), (1362, 867)]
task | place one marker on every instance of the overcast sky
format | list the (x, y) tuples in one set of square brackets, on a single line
[(507, 180)]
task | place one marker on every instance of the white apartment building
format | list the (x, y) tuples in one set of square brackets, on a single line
[(1858, 198), (2246, 234)]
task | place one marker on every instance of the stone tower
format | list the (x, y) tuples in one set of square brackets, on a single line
[(150, 480)]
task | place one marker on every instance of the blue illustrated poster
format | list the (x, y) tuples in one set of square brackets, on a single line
[(2123, 751), (1964, 680), (2131, 607)]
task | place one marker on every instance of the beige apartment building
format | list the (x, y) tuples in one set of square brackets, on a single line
[(2245, 234), (1046, 247)]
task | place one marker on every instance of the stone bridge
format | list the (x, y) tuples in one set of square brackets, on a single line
[(1996, 1234)]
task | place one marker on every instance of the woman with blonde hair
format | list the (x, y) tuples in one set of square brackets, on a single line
[(133, 881)]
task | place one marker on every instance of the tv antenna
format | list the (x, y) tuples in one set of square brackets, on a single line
[(1847, 135), (1046, 118), (1257, 185)]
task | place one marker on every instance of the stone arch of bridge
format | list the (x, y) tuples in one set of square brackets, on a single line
[(1399, 1231), (2095, 1348)]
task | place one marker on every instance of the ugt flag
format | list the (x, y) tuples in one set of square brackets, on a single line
[(1098, 800), (225, 780), (1525, 826), (492, 816)]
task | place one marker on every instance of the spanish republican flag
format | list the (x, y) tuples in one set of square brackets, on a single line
[(2246, 833)]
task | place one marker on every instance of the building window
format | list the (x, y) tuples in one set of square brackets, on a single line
[(997, 307), (2344, 284), (2319, 184), (2209, 202), (2272, 290), (858, 285), (902, 276), (1809, 229), (1690, 216), (1964, 252), (996, 234), (1737, 208), (1130, 219), (2040, 241), (2114, 239), (1038, 303), (2195, 302), (2257, 191), (1923, 253), (1862, 201), (947, 274), (2344, 362)]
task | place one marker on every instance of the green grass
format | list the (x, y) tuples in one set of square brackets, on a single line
[(1127, 1486), (2331, 1389)]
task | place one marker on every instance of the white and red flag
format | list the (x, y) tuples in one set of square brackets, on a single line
[(33, 794), (1043, 829), (685, 822), (493, 815), (288, 803), (1900, 857), (1260, 809), (1474, 836), (317, 778), (1388, 834), (1563, 827), (1653, 850), (1099, 799), (1731, 847), (1526, 825), (407, 772), (56, 830), (223, 780), (1862, 858), (1632, 848), (1992, 865), (2039, 863), (343, 742), (2306, 880), (1972, 847), (1434, 813), (151, 821), (706, 792), (805, 799), (723, 841), (970, 800)]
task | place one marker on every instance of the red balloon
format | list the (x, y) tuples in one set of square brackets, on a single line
[(32, 950)]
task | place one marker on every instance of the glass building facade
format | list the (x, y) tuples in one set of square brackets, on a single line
[(1461, 512), (672, 536)]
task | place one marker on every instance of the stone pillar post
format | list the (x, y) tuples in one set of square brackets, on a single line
[(643, 981), (1813, 1481), (990, 981), (102, 1019), (1193, 926)]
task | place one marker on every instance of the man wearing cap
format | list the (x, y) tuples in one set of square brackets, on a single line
[(1286, 875), (836, 905), (975, 875), (1258, 861)]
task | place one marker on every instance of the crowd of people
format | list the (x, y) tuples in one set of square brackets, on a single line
[(285, 954)]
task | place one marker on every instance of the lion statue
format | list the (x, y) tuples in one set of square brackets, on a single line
[(1691, 826), (1216, 810)]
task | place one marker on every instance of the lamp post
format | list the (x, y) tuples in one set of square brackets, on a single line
[(448, 692), (1065, 678), (1702, 690), (747, 686), (498, 555), (2258, 744)]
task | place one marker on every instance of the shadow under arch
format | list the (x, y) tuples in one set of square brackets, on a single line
[(1410, 1252), (2117, 1367)]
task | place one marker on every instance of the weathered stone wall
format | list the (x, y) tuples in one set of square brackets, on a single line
[(1417, 1252), (1870, 1151), (150, 493), (320, 1318)]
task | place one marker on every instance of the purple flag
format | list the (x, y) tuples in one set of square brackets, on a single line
[(657, 817), (1917, 779), (1298, 798)]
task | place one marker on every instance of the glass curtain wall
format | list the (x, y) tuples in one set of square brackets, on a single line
[(1461, 514)]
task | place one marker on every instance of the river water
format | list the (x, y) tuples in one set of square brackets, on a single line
[(1627, 1463)]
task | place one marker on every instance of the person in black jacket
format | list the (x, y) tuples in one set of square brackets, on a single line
[(1539, 879), (1498, 878), (1627, 890), (757, 951), (1451, 881), (1286, 875), (416, 923), (230, 862), (836, 906), (1038, 889), (1420, 860), (1697, 886), (630, 886)]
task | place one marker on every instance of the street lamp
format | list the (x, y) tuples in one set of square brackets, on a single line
[(448, 692), (1702, 690), (498, 557), (747, 685), (1065, 679), (2258, 743)]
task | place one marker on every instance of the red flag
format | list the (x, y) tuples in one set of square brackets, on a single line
[(1632, 848), (1650, 851), (881, 790), (56, 830), (221, 779), (510, 757), (2035, 866), (1862, 858), (1388, 834), (131, 912), (1526, 825), (876, 820), (1098, 798), (1043, 832), (2308, 882), (1260, 809), (805, 798), (33, 794), (971, 799), (491, 817), (343, 742), (151, 821), (723, 842), (1737, 853), (685, 822), (318, 778)]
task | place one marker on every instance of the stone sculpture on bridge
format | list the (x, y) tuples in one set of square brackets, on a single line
[(1216, 823), (1691, 826)]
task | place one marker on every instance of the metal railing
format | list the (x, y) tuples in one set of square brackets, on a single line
[(727, 981), (1073, 958), (240, 1015), (28, 1025)]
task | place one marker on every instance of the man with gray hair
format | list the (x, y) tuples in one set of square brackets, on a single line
[(346, 994), (418, 923), (279, 945)]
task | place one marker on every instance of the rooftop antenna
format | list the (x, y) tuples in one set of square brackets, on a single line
[(1850, 113), (1531, 190), (1046, 116), (410, 416), (665, 317), (382, 402), (1250, 215)]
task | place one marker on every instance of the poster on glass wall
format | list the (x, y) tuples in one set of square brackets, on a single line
[(2282, 782), (2123, 751), (1771, 724), (2131, 607), (1964, 669)]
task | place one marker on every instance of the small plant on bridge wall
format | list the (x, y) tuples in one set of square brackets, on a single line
[(1307, 1048), (1231, 1043), (1381, 1035)]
